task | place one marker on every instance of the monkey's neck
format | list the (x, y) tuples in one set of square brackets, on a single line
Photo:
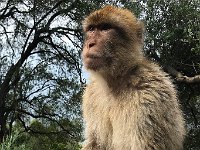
[(117, 79), (122, 78)]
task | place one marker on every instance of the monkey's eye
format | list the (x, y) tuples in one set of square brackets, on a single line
[(90, 28), (105, 27)]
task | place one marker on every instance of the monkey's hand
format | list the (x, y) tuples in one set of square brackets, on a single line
[(90, 145)]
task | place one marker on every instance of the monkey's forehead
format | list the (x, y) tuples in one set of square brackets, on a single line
[(112, 15)]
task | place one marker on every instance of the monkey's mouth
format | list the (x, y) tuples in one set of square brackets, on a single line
[(94, 61), (93, 56)]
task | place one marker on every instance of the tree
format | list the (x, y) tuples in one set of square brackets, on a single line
[(40, 66), (173, 40), (41, 74)]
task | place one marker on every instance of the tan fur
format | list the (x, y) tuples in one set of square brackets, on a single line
[(132, 104)]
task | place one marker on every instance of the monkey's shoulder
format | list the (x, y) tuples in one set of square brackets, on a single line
[(150, 75), (153, 80)]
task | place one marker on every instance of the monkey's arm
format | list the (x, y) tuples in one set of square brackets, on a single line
[(89, 144), (90, 139), (160, 124), (88, 112)]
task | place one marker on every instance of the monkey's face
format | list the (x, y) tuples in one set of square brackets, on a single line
[(112, 38), (99, 46)]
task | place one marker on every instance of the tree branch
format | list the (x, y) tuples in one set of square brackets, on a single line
[(180, 77), (173, 72), (195, 79)]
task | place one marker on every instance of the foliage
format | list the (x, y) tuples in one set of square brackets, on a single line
[(173, 39), (20, 140), (41, 76), (40, 67), (9, 141), (57, 140)]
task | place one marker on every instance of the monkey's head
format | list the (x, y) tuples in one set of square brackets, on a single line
[(113, 38)]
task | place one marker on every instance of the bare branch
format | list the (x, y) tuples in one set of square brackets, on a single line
[(42, 116), (180, 77), (195, 79), (37, 23)]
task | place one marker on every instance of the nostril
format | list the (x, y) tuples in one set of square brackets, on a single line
[(91, 45)]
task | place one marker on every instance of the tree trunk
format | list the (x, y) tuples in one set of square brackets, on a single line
[(2, 124)]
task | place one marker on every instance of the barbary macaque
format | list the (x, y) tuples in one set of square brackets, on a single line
[(129, 103)]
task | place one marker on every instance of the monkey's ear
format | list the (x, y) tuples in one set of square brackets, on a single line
[(140, 30)]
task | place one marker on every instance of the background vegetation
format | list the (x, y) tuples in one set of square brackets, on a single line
[(41, 75)]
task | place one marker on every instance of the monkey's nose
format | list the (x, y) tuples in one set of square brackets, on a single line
[(91, 44)]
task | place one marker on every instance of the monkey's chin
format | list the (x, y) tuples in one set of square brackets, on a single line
[(95, 64)]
